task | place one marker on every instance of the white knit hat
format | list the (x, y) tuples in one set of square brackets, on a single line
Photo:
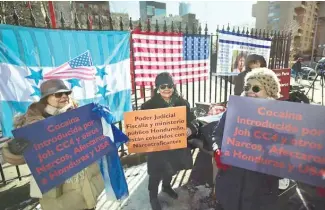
[(268, 79)]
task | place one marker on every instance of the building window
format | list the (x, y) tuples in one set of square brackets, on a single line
[(81, 5)]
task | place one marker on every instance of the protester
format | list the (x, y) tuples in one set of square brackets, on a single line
[(297, 67), (238, 188), (81, 190), (164, 164), (252, 61)]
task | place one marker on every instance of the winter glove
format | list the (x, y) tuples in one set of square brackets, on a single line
[(17, 146), (217, 158), (193, 128), (105, 112)]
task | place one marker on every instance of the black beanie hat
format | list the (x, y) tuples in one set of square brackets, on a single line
[(164, 78)]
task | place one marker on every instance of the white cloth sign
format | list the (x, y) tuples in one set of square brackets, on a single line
[(234, 48)]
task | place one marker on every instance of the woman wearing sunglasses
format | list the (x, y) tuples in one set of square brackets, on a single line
[(238, 188), (80, 191), (163, 165)]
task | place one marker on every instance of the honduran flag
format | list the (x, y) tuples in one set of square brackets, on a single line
[(94, 64)]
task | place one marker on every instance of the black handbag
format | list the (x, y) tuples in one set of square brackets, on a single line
[(17, 146)]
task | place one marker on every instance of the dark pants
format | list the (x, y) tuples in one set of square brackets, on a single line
[(154, 184)]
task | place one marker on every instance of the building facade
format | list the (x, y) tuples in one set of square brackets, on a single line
[(299, 17), (148, 9), (184, 8)]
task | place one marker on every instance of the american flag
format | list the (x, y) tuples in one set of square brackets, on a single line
[(186, 57), (80, 67)]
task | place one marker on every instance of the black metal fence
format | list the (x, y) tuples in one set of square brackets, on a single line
[(215, 89)]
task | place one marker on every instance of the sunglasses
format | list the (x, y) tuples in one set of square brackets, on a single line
[(163, 87), (59, 95), (255, 88)]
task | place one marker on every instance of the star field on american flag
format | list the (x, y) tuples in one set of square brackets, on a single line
[(82, 60)]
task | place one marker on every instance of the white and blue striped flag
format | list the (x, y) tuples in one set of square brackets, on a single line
[(94, 64)]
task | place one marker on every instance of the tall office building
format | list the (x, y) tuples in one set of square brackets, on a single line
[(296, 16), (148, 9), (184, 8)]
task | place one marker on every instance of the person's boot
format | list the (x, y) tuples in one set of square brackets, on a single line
[(169, 190), (155, 204)]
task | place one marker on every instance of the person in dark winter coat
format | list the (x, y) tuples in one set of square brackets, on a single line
[(297, 67), (252, 61), (164, 164), (238, 188)]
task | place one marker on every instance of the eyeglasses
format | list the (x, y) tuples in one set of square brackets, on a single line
[(59, 95), (255, 88), (163, 87)]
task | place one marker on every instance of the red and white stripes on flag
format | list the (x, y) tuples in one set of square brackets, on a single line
[(80, 67), (156, 52)]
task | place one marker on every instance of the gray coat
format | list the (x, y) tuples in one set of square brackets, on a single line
[(239, 82), (167, 163), (241, 189)]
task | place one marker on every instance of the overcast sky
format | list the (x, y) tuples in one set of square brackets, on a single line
[(238, 13)]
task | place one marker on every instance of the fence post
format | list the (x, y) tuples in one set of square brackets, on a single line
[(121, 24), (156, 26), (100, 23), (199, 31), (32, 18), (286, 63), (16, 17), (89, 23), (193, 80), (76, 21), (110, 22), (186, 33), (62, 21), (47, 20), (205, 50), (165, 26), (179, 31)]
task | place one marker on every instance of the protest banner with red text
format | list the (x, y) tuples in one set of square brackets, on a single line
[(280, 138), (284, 77), (156, 129), (63, 145)]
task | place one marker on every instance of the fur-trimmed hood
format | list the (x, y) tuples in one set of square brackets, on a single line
[(35, 112), (32, 115)]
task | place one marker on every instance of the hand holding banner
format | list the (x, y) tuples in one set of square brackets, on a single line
[(284, 139), (156, 129), (63, 145)]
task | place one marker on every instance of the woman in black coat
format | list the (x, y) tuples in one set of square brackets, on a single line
[(164, 164)]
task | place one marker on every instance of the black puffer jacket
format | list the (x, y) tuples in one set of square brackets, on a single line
[(241, 189), (170, 161)]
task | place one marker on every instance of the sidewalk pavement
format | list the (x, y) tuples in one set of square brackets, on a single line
[(16, 193)]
